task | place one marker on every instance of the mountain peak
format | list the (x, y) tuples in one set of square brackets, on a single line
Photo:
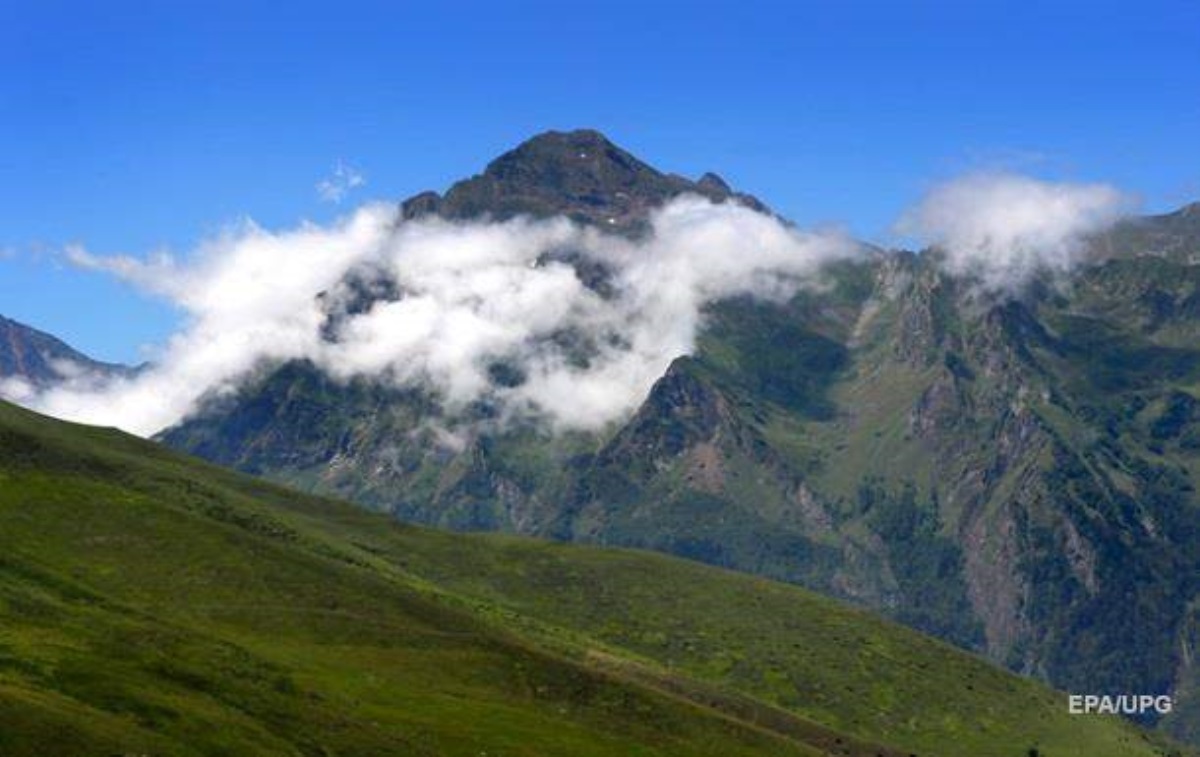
[(580, 174), (577, 139), (581, 162), (714, 182)]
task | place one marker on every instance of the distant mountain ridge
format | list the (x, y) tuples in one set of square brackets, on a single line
[(1015, 475), (41, 359)]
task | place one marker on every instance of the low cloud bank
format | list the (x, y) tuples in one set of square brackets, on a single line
[(543, 319), (579, 323), (1005, 228)]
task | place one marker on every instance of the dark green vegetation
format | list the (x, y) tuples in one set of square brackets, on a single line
[(1016, 474), (151, 604)]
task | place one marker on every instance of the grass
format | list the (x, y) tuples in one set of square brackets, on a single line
[(152, 604)]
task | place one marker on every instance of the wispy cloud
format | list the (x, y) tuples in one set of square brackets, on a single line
[(155, 274), (344, 179), (1003, 228)]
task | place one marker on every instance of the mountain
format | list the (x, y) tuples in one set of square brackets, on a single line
[(578, 174), (1014, 474), (152, 604), (41, 359)]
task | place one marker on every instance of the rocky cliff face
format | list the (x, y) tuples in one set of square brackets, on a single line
[(1014, 474)]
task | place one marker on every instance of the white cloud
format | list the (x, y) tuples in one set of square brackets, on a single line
[(250, 298), (472, 294), (17, 389), (340, 183), (1004, 228)]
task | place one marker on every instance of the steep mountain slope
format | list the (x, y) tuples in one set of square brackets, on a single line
[(1015, 474), (153, 604), (1009, 475), (40, 359)]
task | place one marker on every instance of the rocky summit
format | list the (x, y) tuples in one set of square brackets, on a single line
[(578, 174), (1014, 473)]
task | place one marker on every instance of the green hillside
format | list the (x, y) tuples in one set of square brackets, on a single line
[(151, 604)]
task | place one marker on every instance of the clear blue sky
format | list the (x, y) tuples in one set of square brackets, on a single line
[(127, 126)]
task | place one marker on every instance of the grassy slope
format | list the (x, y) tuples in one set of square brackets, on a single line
[(155, 605)]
